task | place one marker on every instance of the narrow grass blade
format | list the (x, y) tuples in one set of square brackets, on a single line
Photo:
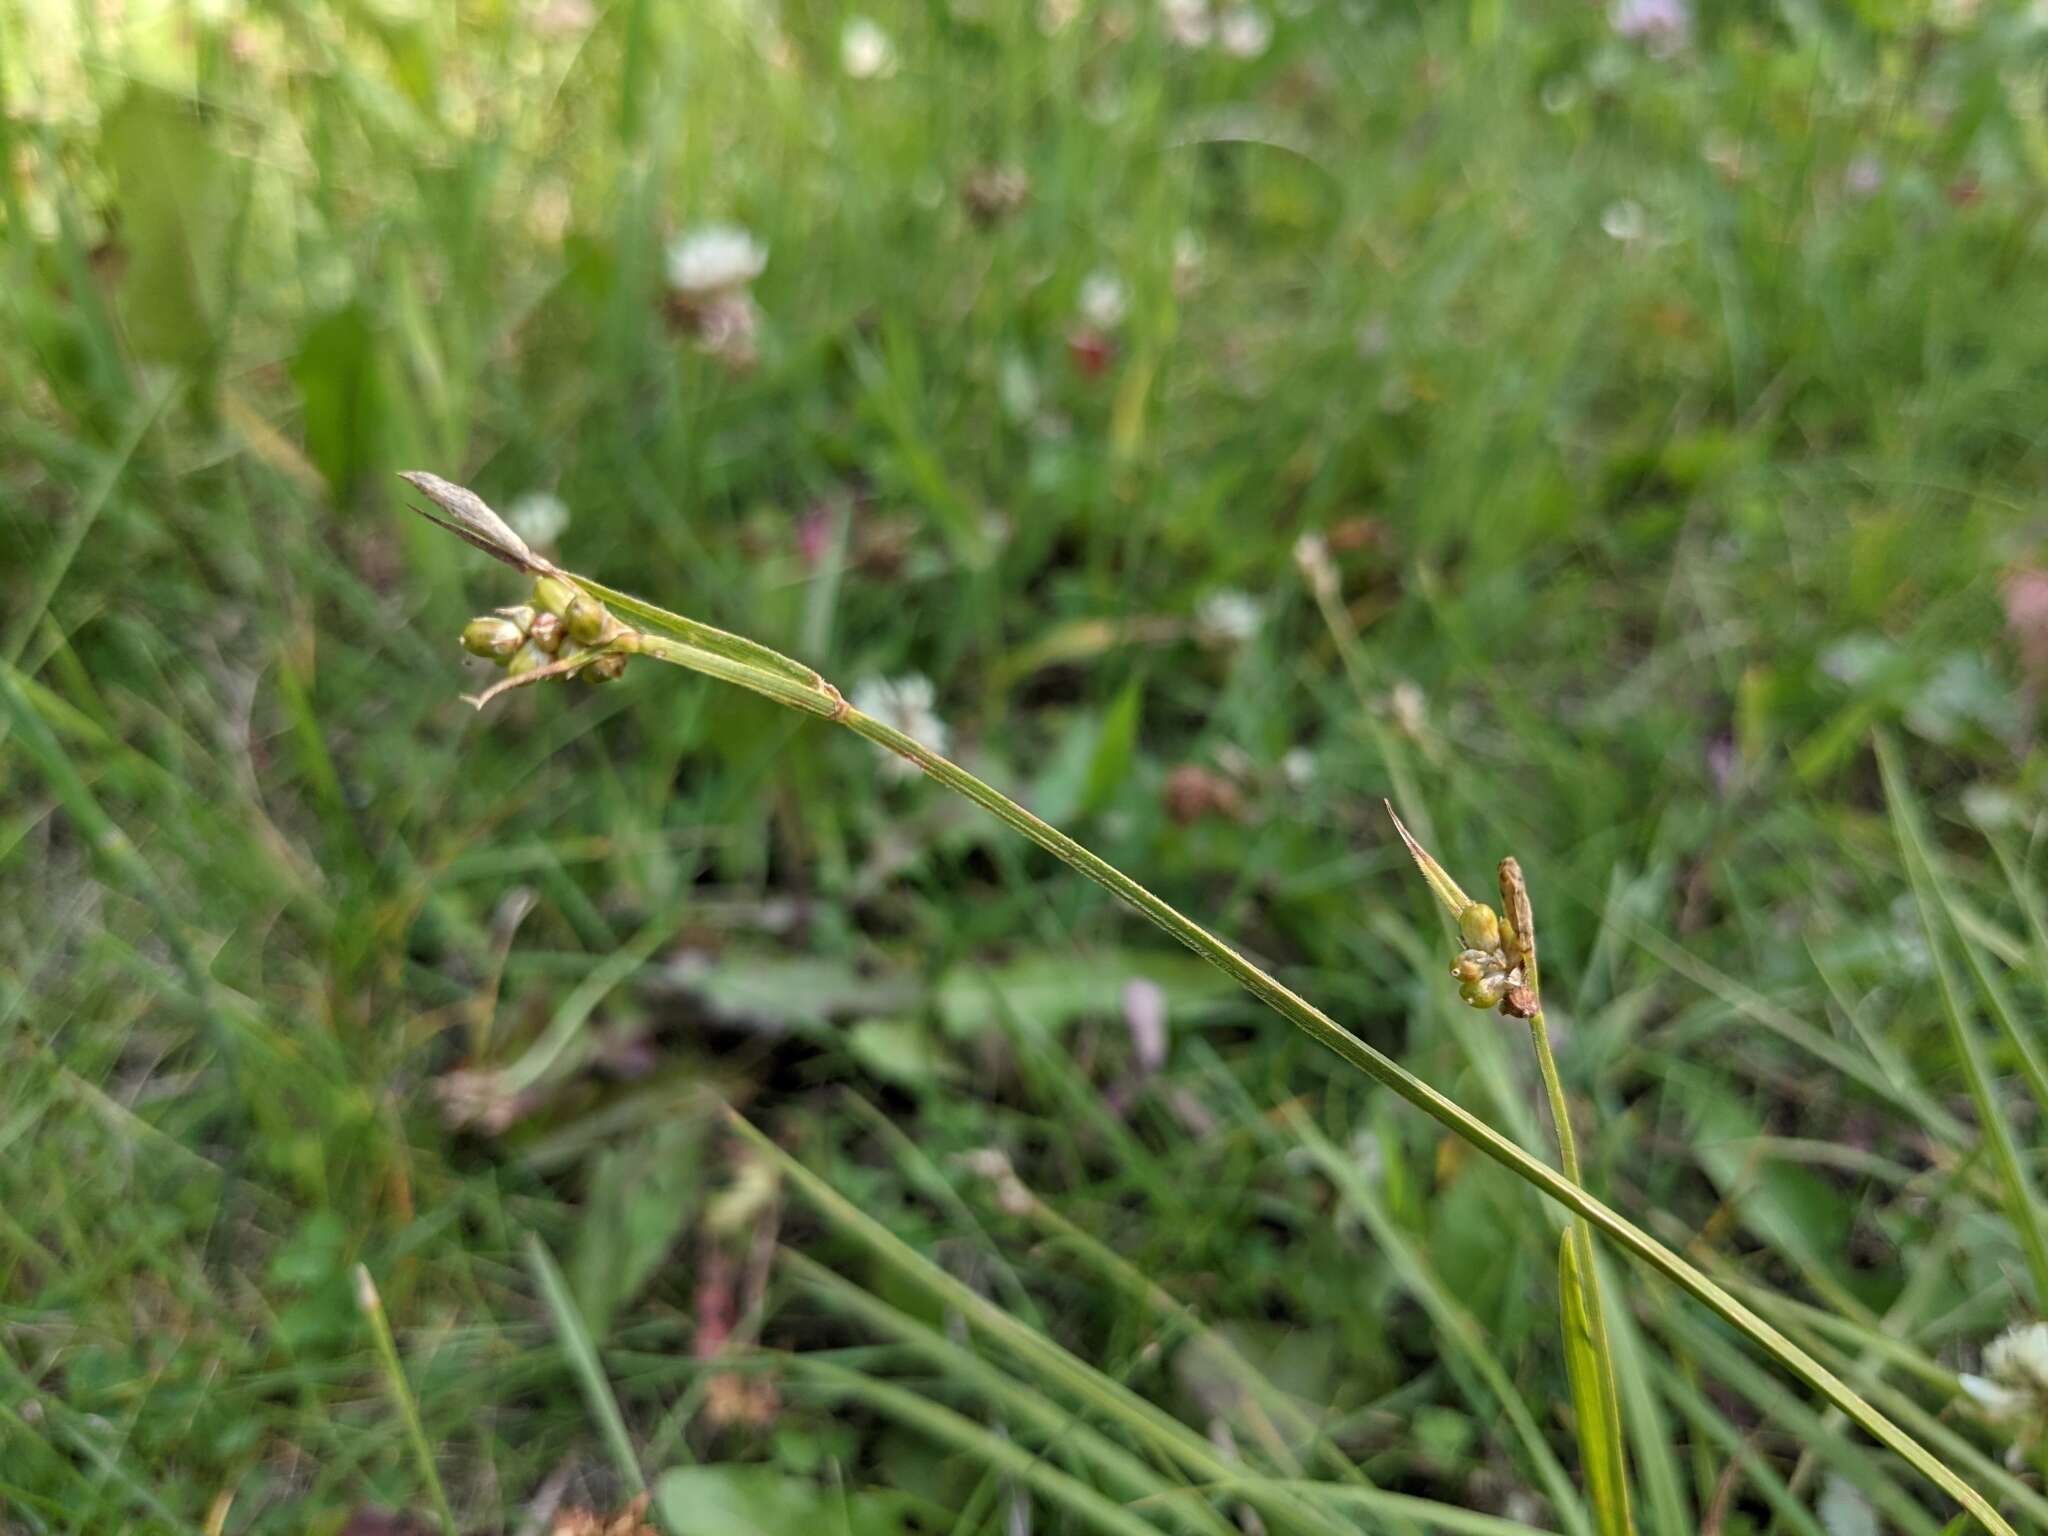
[(1693, 1406), (1266, 1403), (1428, 1513), (582, 1355), (1594, 1398), (963, 1434), (1651, 1446), (372, 1306), (1118, 1405), (1936, 910), (1720, 1358), (1048, 1423), (1454, 1324)]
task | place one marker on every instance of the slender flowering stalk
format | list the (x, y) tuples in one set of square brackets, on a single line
[(1497, 969), (747, 664)]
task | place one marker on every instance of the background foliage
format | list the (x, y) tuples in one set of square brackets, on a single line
[(1666, 408)]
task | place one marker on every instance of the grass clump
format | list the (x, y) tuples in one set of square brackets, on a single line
[(1593, 442)]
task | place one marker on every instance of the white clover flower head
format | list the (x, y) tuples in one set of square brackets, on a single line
[(865, 50), (1244, 32), (539, 517), (1625, 221), (714, 258), (908, 704), (1663, 27), (2001, 1404), (1228, 618), (1409, 706), (2019, 1358), (1104, 300), (2013, 1391), (1188, 22)]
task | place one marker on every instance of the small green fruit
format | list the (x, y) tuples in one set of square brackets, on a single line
[(586, 620), (1479, 925), (606, 669), (492, 639), (553, 595), (1487, 991), (547, 632)]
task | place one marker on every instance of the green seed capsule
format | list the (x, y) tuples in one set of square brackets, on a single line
[(492, 639), (1480, 926), (525, 660), (1487, 991), (606, 669), (553, 594), (585, 620), (547, 632)]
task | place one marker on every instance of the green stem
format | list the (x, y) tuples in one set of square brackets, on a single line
[(1560, 1112), (1581, 1239), (372, 1306), (797, 688)]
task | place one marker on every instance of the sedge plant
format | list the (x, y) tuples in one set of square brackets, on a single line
[(1496, 968), (574, 627)]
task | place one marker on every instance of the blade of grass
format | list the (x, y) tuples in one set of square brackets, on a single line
[(1593, 1391), (1403, 1506), (1737, 1371), (825, 701), (1453, 1322), (1269, 1402), (1049, 1423), (1151, 1426), (1936, 911), (963, 1434), (372, 1306), (583, 1361), (1653, 1446), (1692, 1405)]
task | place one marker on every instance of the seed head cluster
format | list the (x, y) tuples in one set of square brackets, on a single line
[(1489, 967), (560, 625)]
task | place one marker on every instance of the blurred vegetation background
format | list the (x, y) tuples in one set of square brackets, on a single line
[(1598, 431)]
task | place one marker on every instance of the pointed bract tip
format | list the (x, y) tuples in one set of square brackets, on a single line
[(470, 518), (1447, 891)]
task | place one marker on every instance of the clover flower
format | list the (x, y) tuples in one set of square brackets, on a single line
[(1244, 32), (865, 51), (1227, 618), (713, 258), (2013, 1391)]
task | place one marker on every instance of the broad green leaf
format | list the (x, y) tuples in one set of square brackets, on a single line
[(901, 1051), (762, 1501), (642, 1194), (1045, 993)]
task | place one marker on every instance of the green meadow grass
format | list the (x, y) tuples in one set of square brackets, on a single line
[(1673, 428)]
